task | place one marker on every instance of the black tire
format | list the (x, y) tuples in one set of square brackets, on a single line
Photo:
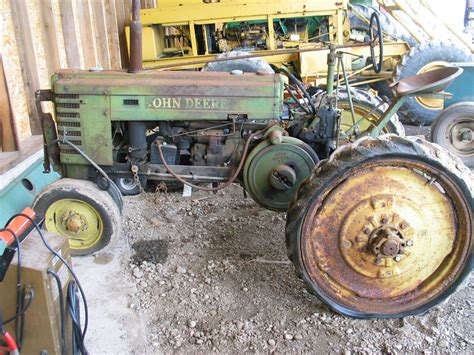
[(330, 174), (366, 102), (87, 192), (249, 65), (458, 114), (128, 186), (413, 112)]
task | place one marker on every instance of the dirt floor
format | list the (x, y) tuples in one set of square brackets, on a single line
[(209, 273)]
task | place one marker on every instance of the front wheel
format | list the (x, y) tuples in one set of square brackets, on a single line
[(81, 212), (383, 228)]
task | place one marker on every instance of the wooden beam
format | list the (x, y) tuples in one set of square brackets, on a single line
[(123, 19), (8, 136), (29, 66), (100, 33), (71, 42), (50, 39), (87, 38), (112, 34)]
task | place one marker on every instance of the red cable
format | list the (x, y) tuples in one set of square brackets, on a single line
[(11, 344)]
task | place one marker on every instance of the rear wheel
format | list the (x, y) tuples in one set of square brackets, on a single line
[(368, 109), (454, 130), (404, 241), (81, 212)]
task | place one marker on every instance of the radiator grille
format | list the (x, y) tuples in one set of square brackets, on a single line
[(69, 123), (67, 105)]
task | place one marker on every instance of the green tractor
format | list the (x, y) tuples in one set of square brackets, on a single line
[(377, 226)]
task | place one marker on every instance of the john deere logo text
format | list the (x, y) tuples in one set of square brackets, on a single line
[(187, 103)]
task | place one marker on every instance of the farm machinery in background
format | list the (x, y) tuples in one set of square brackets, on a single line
[(376, 226), (193, 31)]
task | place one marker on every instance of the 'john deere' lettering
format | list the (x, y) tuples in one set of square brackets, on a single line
[(190, 103)]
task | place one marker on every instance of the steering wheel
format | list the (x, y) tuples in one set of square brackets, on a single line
[(375, 35)]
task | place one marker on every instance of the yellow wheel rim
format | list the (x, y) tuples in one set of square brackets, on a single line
[(396, 246), (426, 102), (363, 125), (77, 220)]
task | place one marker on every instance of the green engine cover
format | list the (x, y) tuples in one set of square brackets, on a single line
[(86, 103)]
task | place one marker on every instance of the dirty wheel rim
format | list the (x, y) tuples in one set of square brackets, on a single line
[(428, 102), (364, 125), (76, 220), (401, 242), (459, 136)]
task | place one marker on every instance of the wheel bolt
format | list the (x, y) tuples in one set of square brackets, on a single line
[(378, 261), (367, 231), (403, 225), (397, 258), (409, 242)]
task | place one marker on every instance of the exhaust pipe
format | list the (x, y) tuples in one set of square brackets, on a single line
[(135, 39)]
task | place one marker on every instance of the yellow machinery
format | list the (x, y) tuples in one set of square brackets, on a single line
[(179, 32)]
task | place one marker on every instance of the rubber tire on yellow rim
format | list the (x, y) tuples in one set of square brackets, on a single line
[(340, 270), (364, 103), (94, 211), (421, 58)]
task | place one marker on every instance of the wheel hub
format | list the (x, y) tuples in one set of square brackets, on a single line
[(74, 222), (374, 238)]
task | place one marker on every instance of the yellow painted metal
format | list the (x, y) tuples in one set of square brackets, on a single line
[(77, 220), (390, 201), (429, 102), (235, 10), (364, 120)]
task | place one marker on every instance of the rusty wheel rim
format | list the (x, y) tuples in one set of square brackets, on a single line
[(399, 244)]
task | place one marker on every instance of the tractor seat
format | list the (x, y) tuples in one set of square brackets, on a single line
[(427, 83)]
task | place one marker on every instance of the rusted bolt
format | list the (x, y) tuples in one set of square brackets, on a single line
[(409, 242), (346, 244), (397, 258)]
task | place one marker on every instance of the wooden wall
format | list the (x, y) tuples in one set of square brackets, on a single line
[(38, 37)]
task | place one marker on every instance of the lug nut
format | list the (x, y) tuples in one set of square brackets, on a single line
[(409, 242), (378, 261), (397, 258), (367, 231)]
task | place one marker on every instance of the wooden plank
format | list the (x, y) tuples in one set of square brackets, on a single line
[(100, 33), (50, 39), (27, 148), (112, 34), (122, 20), (87, 38), (8, 136), (71, 41), (29, 66)]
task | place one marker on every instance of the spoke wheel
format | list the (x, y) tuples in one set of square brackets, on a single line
[(81, 212), (381, 231)]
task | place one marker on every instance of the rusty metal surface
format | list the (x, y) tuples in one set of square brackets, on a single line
[(399, 242), (135, 39), (428, 82)]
